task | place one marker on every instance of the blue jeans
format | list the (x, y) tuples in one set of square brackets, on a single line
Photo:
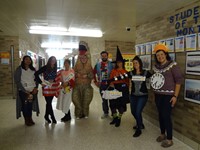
[(26, 105), (137, 104), (104, 101)]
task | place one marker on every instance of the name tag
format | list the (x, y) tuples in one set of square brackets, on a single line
[(138, 78)]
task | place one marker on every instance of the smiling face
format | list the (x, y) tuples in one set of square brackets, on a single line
[(83, 58), (161, 57), (27, 61), (104, 57), (136, 64)]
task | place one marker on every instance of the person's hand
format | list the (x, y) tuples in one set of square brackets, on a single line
[(65, 84), (35, 90), (96, 83), (173, 101)]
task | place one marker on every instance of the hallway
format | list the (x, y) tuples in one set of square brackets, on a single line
[(93, 133)]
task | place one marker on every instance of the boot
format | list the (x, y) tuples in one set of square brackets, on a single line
[(68, 116), (31, 120), (27, 121), (118, 122), (113, 121), (137, 133)]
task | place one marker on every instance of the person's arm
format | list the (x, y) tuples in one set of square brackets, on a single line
[(176, 93), (37, 73)]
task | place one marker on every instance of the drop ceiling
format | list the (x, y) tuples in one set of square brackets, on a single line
[(111, 16)]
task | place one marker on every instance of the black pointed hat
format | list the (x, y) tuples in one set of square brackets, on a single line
[(119, 56)]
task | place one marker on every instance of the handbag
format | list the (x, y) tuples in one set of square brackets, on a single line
[(111, 94)]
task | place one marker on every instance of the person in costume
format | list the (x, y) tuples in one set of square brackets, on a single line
[(139, 92), (102, 71), (166, 83), (66, 77), (118, 106), (49, 86), (27, 100), (83, 92)]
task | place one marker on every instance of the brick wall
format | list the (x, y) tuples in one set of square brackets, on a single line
[(186, 115)]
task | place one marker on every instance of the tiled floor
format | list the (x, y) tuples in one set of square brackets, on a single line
[(93, 133)]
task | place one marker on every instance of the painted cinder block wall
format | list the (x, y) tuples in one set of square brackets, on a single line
[(186, 115)]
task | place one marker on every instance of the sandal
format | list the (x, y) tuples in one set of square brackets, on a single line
[(161, 138), (166, 143)]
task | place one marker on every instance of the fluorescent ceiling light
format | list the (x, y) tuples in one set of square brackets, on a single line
[(64, 31), (59, 45)]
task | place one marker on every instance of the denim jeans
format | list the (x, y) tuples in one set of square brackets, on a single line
[(164, 112), (137, 104), (26, 105), (104, 101)]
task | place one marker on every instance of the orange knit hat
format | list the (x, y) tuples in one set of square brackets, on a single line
[(160, 47)]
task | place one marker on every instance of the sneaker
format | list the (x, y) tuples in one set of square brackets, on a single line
[(104, 116), (167, 143), (161, 138)]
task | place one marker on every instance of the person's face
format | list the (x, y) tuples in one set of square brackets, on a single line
[(104, 57), (83, 59), (53, 61), (119, 64), (136, 64), (27, 61), (161, 57), (66, 65)]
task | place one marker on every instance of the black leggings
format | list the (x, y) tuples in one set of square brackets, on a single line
[(49, 109)]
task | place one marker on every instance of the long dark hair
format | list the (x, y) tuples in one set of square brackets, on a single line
[(23, 63), (140, 63), (49, 68), (167, 56)]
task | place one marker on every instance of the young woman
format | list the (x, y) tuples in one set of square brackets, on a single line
[(166, 82), (139, 93), (26, 90), (49, 86), (66, 77), (118, 106)]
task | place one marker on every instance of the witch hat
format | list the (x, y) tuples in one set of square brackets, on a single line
[(119, 56)]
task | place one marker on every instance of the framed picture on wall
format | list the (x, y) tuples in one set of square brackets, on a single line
[(153, 44), (198, 40), (192, 92), (146, 60), (148, 48), (170, 44), (137, 50), (142, 51), (193, 63), (191, 42), (173, 56), (180, 44)]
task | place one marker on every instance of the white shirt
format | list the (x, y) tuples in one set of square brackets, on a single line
[(27, 79)]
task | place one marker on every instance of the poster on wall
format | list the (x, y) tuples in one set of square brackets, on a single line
[(153, 44), (173, 56), (146, 60), (192, 92), (5, 58), (179, 44), (142, 51), (199, 41), (128, 64), (170, 44), (161, 41), (137, 49), (193, 63), (191, 42), (148, 48)]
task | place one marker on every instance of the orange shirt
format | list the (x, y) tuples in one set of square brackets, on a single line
[(116, 73)]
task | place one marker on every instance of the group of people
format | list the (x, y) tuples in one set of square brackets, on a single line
[(74, 85)]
